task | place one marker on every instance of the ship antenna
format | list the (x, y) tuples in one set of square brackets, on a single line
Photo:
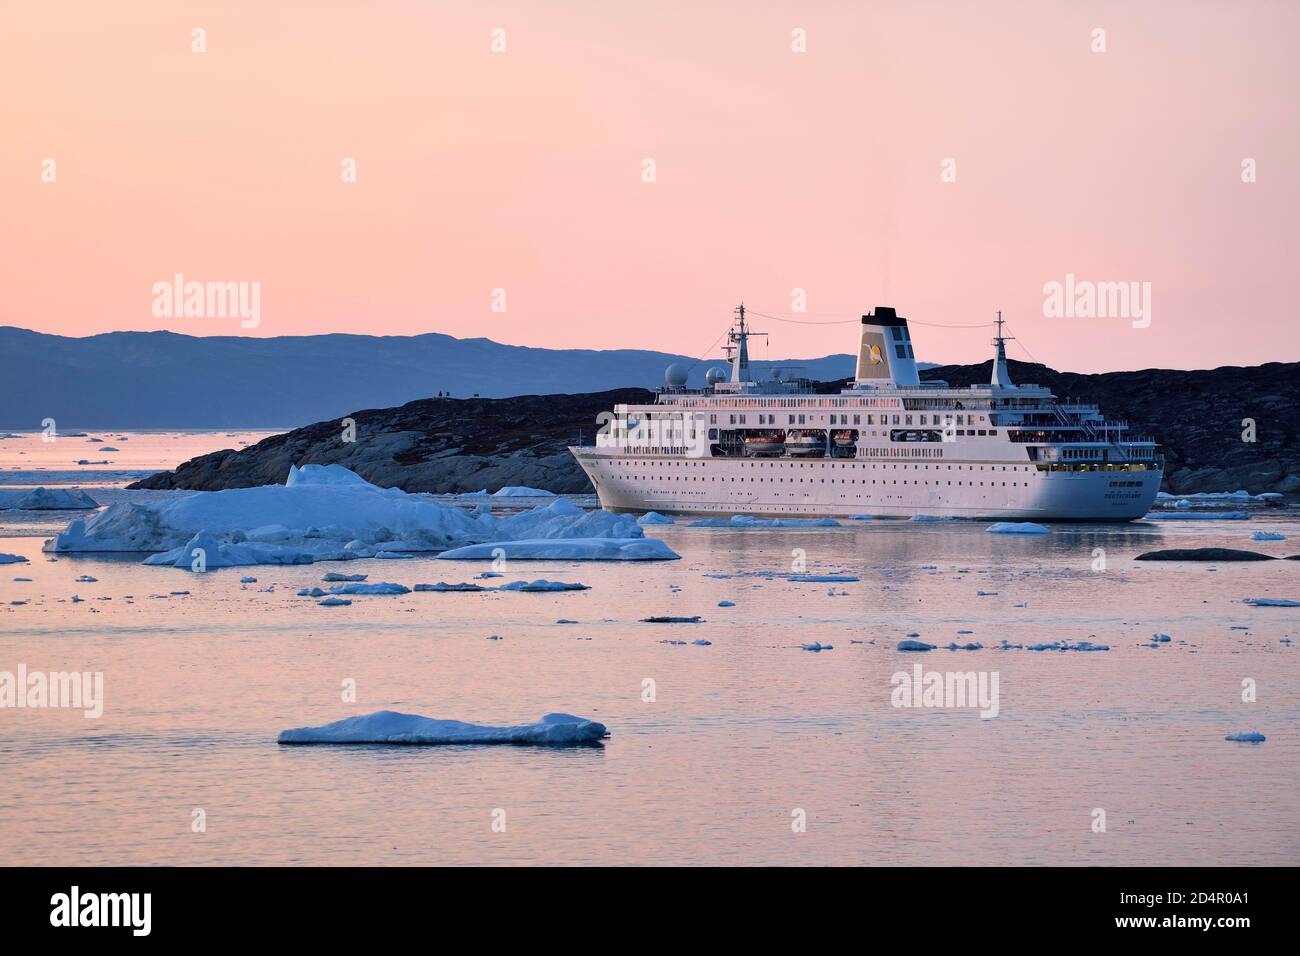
[(1001, 377)]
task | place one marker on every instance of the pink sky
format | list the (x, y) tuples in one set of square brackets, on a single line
[(775, 170)]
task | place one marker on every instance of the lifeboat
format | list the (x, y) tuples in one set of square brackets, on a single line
[(764, 443), (844, 438), (800, 442)]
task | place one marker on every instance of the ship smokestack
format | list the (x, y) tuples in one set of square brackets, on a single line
[(885, 355)]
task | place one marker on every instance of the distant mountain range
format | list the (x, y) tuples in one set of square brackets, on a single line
[(164, 380)]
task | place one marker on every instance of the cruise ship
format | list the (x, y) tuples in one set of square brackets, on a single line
[(888, 445)]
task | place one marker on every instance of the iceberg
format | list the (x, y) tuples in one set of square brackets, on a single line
[(328, 513), (390, 727), (43, 499), (1017, 527), (654, 517)]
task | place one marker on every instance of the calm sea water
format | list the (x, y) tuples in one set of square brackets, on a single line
[(743, 736)]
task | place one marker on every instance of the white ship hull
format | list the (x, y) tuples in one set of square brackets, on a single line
[(837, 488)]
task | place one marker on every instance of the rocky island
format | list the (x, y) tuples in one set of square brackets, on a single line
[(445, 445)]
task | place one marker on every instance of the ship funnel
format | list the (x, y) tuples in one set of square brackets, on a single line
[(885, 355)]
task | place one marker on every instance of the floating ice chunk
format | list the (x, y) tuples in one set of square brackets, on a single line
[(654, 517), (821, 578), (522, 491), (248, 580), (1008, 646), (44, 499), (1017, 527), (380, 587), (1160, 638), (965, 632), (1267, 536), (12, 559), (664, 619), (541, 584), (986, 593), (702, 642), (972, 646), (567, 549), (1087, 646), (1052, 646), (335, 602), (87, 579), (312, 592), (1247, 737), (726, 604), (390, 727), (444, 586), (205, 552), (333, 576), (911, 645), (323, 475), (932, 518), (393, 555), (817, 646), (1197, 516), (1270, 602)]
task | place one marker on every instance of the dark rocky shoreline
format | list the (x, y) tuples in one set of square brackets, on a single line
[(455, 445)]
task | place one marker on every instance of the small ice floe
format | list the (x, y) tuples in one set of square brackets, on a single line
[(1160, 638), (861, 517), (312, 592), (87, 461), (654, 517), (666, 619), (972, 646), (702, 642), (932, 518), (21, 579), (334, 602), (1017, 527), (1267, 536), (541, 584), (1049, 646), (824, 578), (1246, 737), (726, 604), (12, 559), (1087, 646), (1197, 516), (566, 549), (749, 521), (335, 576), (442, 586), (986, 593), (817, 646), (565, 620), (178, 593), (380, 587), (1270, 602), (494, 637), (110, 448), (490, 574), (1203, 554), (390, 727), (87, 579), (393, 555), (911, 645), (678, 643), (965, 632), (1008, 646), (248, 580)]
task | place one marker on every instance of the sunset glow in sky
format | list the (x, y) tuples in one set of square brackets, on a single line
[(774, 170)]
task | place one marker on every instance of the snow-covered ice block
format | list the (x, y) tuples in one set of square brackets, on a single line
[(45, 499), (654, 517), (1017, 527), (390, 727)]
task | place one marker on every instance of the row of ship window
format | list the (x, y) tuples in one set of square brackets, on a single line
[(793, 419)]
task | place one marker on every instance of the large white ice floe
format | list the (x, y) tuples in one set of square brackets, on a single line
[(1017, 527), (390, 727), (328, 513), (45, 499)]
